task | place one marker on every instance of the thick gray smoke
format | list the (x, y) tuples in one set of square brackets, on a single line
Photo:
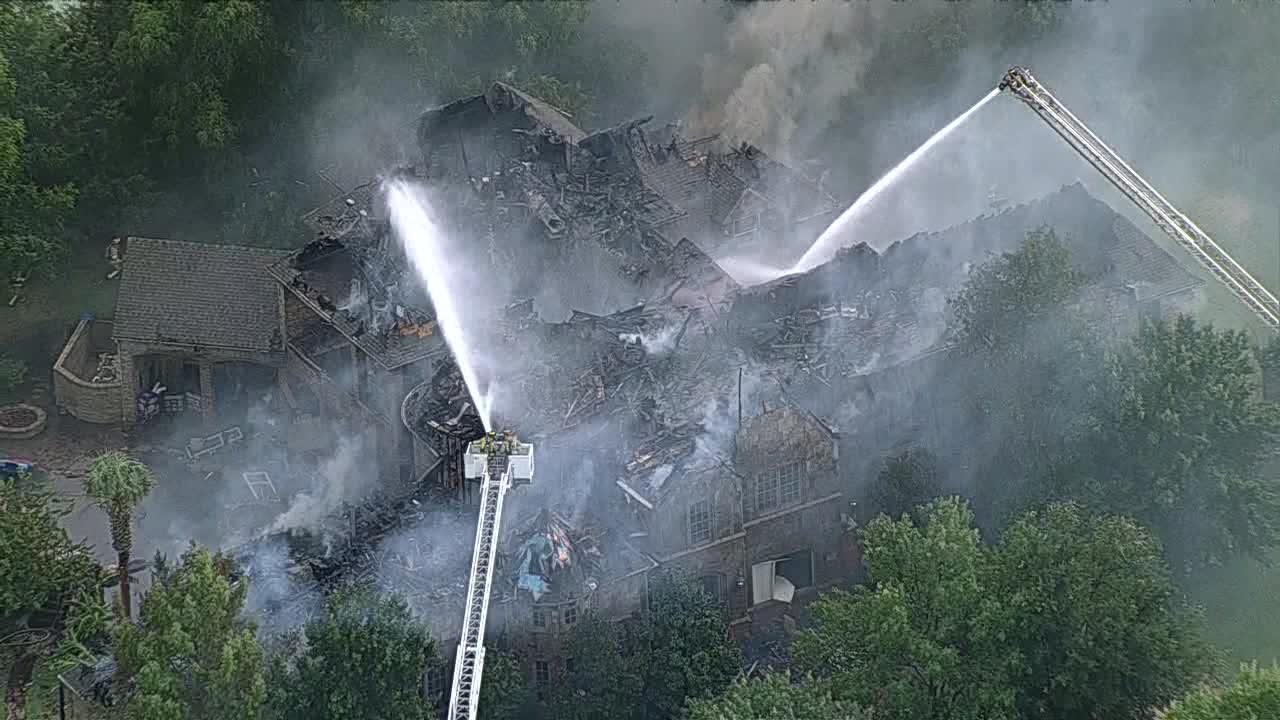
[(786, 67), (1176, 88), (340, 477), (842, 91)]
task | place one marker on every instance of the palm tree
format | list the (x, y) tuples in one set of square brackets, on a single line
[(117, 483)]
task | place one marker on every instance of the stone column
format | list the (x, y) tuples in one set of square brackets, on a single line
[(206, 388), (129, 387)]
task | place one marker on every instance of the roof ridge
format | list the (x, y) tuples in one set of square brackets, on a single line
[(220, 246)]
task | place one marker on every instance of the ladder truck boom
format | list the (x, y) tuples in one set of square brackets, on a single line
[(498, 461), (1020, 82)]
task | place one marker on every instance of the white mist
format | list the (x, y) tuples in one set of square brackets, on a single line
[(424, 245), (824, 248)]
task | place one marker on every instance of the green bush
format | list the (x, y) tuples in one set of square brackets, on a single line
[(12, 374)]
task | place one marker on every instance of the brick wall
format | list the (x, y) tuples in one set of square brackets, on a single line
[(669, 522)]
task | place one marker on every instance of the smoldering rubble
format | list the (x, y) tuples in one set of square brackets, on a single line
[(610, 337)]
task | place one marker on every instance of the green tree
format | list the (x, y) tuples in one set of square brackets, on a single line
[(606, 678), (650, 668), (1068, 616), (191, 655), (684, 647), (41, 569), (520, 41), (1029, 362), (1269, 360), (1179, 439), (506, 693), (39, 563), (1008, 296), (1090, 612), (365, 657), (117, 483), (905, 482), (774, 697), (184, 68), (34, 214), (918, 642), (1254, 695)]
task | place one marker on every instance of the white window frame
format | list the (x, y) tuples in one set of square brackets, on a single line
[(790, 489), (766, 491), (701, 530)]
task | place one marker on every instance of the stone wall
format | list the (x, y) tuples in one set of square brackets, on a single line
[(74, 369), (132, 353)]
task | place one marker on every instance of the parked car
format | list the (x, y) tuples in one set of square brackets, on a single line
[(13, 467)]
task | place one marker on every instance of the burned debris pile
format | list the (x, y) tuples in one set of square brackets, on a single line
[(356, 278), (107, 371), (653, 462), (414, 545), (555, 558), (443, 405), (847, 318), (650, 336), (551, 560)]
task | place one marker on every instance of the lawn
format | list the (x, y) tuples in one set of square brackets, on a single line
[(1241, 601), (35, 329)]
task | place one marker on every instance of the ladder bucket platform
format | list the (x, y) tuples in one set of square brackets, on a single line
[(498, 461)]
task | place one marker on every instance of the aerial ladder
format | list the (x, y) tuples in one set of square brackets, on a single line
[(1025, 87), (499, 461)]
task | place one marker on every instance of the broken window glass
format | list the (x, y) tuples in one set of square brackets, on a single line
[(700, 522), (711, 586)]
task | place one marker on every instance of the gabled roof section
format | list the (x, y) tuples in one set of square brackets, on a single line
[(196, 294), (499, 100), (1111, 250)]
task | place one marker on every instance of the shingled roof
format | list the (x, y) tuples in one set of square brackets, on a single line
[(1107, 247), (499, 99), (181, 293)]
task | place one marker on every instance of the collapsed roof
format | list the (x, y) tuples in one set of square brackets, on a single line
[(550, 560), (513, 177), (651, 370), (654, 348)]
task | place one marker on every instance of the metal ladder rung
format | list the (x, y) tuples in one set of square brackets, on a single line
[(1220, 264)]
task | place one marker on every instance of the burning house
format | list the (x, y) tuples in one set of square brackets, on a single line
[(640, 377), (696, 424)]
